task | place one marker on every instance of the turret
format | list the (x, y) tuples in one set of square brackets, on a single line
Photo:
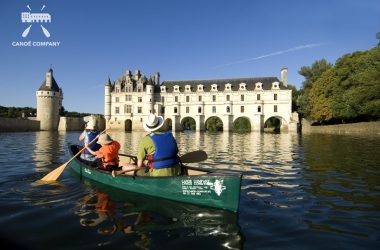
[(49, 103), (107, 100)]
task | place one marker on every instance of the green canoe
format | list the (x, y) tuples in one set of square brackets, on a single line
[(201, 187)]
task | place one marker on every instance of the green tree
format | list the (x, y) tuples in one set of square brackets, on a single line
[(311, 74)]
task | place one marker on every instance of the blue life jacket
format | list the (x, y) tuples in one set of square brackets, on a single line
[(166, 151), (93, 146)]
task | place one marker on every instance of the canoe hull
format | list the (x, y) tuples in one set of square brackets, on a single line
[(217, 190)]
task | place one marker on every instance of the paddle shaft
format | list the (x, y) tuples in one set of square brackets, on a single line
[(53, 175)]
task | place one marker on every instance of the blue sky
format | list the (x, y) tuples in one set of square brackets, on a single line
[(183, 40)]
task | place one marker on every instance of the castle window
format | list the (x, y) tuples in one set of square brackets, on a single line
[(117, 110), (176, 98), (117, 90), (200, 98), (228, 109), (242, 98), (227, 97), (213, 109), (162, 110), (228, 86), (259, 85), (139, 99), (175, 110), (214, 98), (275, 108), (116, 99), (128, 98), (200, 87), (187, 98), (258, 97), (259, 109), (241, 109), (162, 99), (139, 110), (188, 88), (187, 109), (139, 89), (128, 109), (214, 87), (275, 97), (163, 89), (199, 110), (275, 85), (242, 86)]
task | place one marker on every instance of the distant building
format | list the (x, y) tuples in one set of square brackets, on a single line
[(49, 102), (131, 97)]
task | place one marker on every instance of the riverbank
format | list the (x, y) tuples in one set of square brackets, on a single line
[(360, 128)]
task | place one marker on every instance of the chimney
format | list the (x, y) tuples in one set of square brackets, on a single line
[(157, 78), (284, 76), (49, 76)]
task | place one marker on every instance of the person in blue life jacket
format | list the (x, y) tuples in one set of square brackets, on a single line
[(87, 136), (158, 148)]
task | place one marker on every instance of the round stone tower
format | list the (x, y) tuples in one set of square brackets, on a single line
[(150, 95), (107, 100), (49, 103)]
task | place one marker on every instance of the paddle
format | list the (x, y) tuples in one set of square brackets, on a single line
[(191, 157), (53, 175)]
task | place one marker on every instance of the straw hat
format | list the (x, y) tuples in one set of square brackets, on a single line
[(153, 122), (104, 139), (90, 125)]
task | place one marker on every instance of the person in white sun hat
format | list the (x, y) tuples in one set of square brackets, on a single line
[(159, 148), (88, 135)]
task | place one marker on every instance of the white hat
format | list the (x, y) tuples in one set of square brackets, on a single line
[(104, 139), (91, 125), (153, 122)]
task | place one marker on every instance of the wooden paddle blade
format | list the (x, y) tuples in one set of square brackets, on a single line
[(53, 175), (193, 157)]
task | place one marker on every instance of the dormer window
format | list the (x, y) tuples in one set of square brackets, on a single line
[(227, 86), (163, 89), (242, 86), (214, 87), (200, 87), (275, 85), (176, 88), (188, 88), (258, 86)]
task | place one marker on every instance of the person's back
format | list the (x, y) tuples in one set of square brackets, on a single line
[(108, 153), (87, 136)]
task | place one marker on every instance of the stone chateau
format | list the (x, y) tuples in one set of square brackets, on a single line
[(131, 97)]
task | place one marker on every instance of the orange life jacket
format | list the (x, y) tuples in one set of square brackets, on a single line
[(109, 153)]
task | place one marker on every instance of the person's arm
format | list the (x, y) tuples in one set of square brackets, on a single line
[(81, 137)]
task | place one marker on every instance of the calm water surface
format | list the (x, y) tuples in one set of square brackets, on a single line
[(298, 192)]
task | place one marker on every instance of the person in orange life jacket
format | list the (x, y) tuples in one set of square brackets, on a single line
[(108, 153), (158, 147), (87, 136)]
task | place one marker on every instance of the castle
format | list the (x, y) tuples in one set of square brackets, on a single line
[(131, 97)]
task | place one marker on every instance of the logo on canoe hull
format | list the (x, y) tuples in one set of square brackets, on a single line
[(218, 187), (88, 171)]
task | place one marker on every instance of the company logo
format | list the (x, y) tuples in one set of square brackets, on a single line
[(28, 17), (218, 187), (37, 18)]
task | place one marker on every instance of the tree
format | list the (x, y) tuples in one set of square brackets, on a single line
[(311, 74)]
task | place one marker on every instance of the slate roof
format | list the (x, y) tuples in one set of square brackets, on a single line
[(54, 86), (250, 83)]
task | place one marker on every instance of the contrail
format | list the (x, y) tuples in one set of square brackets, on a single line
[(307, 46)]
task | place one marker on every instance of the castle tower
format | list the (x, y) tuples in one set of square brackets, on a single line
[(107, 100), (150, 94), (49, 102)]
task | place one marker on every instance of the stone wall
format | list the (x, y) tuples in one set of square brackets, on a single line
[(367, 128), (18, 125), (70, 124)]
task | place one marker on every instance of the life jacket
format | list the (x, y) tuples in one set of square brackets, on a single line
[(93, 146), (110, 153), (166, 151)]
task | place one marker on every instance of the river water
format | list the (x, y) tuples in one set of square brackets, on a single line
[(298, 192)]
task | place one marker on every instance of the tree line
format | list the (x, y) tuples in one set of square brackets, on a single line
[(348, 91), (15, 112)]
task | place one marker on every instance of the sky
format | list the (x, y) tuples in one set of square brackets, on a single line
[(181, 39)]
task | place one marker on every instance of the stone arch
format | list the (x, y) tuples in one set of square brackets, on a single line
[(242, 124), (214, 123), (168, 124), (275, 124), (188, 123), (128, 125)]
